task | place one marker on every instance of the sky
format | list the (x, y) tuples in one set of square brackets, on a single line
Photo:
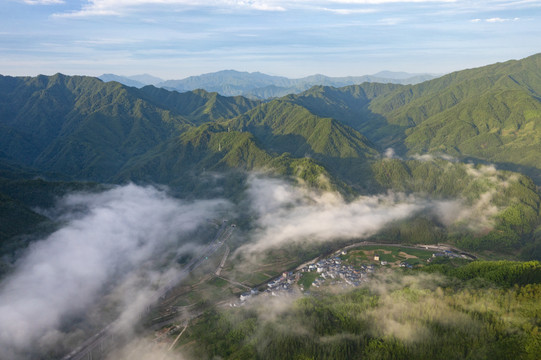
[(174, 39)]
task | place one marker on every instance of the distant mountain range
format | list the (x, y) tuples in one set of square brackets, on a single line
[(261, 86), (96, 130), (78, 128), (137, 81)]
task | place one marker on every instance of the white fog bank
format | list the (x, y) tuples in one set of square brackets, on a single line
[(104, 237)]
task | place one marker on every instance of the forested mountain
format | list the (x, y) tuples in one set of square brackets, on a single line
[(485, 114), (283, 127), (351, 105), (89, 129), (516, 196), (491, 113), (66, 128), (450, 161)]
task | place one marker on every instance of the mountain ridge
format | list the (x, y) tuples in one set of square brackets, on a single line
[(81, 128), (257, 85)]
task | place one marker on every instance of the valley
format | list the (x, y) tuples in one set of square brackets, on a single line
[(375, 220)]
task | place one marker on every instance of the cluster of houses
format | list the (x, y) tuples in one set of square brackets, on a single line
[(332, 271), (405, 264), (445, 253), (280, 285), (283, 283), (329, 270)]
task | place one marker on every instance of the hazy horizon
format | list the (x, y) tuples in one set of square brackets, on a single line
[(175, 39)]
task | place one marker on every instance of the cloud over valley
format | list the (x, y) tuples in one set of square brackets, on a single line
[(108, 238), (116, 247)]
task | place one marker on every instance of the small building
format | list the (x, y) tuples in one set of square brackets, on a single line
[(376, 257), (245, 296)]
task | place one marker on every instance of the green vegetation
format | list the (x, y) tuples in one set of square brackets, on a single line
[(201, 144), (20, 220), (351, 106), (394, 255), (502, 273), (490, 113), (513, 198), (16, 216), (87, 129), (400, 317), (282, 127), (307, 279), (58, 131)]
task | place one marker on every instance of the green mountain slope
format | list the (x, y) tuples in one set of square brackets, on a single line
[(199, 106), (189, 161), (283, 127), (21, 195), (497, 210), (491, 113), (350, 105), (81, 128), (411, 316), (88, 129)]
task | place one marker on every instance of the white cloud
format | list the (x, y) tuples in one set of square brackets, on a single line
[(349, 11), (288, 214), (390, 153), (107, 41), (117, 238), (378, 2), (432, 157), (496, 19), (119, 7), (144, 349), (390, 21), (44, 2)]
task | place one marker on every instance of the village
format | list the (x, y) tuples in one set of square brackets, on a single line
[(334, 270), (328, 271)]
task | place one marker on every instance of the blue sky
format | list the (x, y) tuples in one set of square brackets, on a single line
[(174, 39)]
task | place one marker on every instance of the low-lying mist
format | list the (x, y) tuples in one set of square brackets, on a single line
[(116, 247), (287, 214), (113, 239), (394, 315)]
